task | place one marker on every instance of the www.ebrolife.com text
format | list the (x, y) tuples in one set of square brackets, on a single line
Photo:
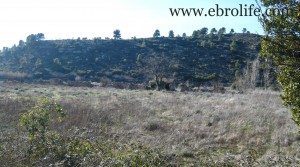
[(240, 10)]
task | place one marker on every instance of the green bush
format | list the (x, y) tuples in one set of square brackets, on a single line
[(48, 147), (117, 71), (205, 77), (83, 72), (36, 122)]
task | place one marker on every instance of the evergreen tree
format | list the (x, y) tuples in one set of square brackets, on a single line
[(171, 34), (213, 31), (233, 46), (203, 32), (156, 34), (282, 44), (117, 34), (244, 30), (195, 34), (221, 33)]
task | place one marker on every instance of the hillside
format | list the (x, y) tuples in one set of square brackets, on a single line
[(197, 60)]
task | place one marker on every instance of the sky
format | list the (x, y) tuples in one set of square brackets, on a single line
[(67, 19)]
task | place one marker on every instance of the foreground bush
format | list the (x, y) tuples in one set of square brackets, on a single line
[(41, 146)]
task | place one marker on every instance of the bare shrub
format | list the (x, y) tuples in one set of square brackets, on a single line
[(218, 87), (249, 78), (153, 126), (105, 81), (183, 87)]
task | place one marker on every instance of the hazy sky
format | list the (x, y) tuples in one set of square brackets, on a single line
[(60, 19)]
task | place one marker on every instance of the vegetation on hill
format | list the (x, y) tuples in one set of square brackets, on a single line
[(198, 59)]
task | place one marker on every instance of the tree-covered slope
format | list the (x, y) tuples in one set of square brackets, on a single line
[(197, 60)]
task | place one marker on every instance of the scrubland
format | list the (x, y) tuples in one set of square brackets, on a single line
[(179, 128)]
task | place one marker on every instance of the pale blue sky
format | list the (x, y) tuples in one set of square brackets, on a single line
[(60, 19)]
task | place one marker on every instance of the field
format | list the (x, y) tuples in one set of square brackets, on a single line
[(186, 128)]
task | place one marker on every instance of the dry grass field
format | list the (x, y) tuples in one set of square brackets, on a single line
[(190, 128)]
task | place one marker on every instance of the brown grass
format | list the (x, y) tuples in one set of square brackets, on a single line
[(186, 125)]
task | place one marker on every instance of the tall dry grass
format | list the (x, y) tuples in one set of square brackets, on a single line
[(185, 125)]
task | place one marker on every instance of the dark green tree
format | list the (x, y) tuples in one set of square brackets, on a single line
[(33, 38), (195, 34), (156, 34), (213, 31), (171, 34), (233, 46), (222, 30), (21, 43), (40, 36), (244, 30), (231, 31), (203, 32), (282, 44), (184, 35), (221, 33), (117, 34)]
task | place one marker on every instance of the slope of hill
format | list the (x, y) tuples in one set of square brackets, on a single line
[(198, 60)]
